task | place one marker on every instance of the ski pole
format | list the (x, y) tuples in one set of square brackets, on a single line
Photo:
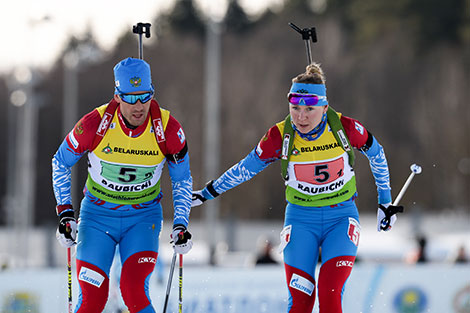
[(415, 169), (170, 278), (180, 302), (141, 28), (307, 34), (69, 276)]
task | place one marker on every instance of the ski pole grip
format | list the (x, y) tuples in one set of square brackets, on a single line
[(415, 169), (306, 33), (295, 27), (142, 28)]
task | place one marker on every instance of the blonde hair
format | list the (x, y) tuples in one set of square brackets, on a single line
[(313, 75)]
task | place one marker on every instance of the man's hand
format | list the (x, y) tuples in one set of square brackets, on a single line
[(66, 233), (387, 216), (181, 239)]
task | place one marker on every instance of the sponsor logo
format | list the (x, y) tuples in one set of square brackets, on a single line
[(116, 82), (259, 151), (302, 284), (147, 260), (112, 126), (344, 263), (359, 128), (344, 140), (181, 135), (104, 124), (135, 81), (90, 276), (158, 128), (134, 151), (317, 190), (320, 148), (107, 149), (285, 147), (336, 195), (120, 188), (410, 299), (354, 231), (285, 237), (79, 128), (73, 141), (20, 302), (296, 151), (120, 197)]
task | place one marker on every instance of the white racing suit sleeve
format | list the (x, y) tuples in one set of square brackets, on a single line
[(241, 172), (379, 167), (182, 185), (62, 163)]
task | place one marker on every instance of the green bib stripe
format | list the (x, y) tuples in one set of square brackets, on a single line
[(344, 193), (124, 194)]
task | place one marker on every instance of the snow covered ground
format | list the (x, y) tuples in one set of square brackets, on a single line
[(33, 274), (371, 288)]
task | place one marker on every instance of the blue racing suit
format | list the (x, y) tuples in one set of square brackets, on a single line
[(320, 212), (121, 204)]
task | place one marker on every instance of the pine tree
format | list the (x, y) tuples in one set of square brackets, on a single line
[(236, 19), (185, 18)]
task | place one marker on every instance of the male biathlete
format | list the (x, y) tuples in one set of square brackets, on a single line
[(127, 141)]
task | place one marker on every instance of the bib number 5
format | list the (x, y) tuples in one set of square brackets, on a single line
[(127, 174), (320, 173)]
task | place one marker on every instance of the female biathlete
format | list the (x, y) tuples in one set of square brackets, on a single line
[(314, 145)]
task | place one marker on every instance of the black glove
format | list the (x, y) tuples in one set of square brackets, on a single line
[(386, 216), (200, 196), (67, 230), (181, 239)]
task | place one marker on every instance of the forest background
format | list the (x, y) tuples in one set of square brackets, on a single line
[(402, 68)]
